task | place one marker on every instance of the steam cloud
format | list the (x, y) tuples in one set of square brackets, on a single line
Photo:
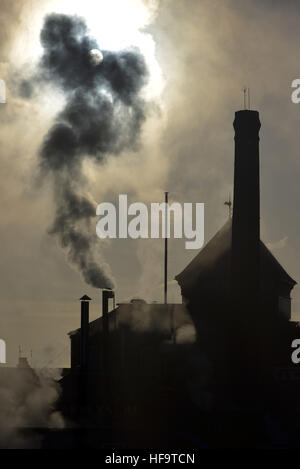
[(103, 115), (27, 402)]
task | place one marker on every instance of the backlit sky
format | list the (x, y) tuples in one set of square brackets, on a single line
[(201, 53)]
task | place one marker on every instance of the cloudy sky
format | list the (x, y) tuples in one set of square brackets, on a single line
[(200, 54)]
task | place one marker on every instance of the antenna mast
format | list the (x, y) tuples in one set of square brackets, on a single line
[(246, 92), (229, 204)]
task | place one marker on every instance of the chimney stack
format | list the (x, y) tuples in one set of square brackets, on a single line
[(245, 265), (246, 212), (106, 294), (84, 332)]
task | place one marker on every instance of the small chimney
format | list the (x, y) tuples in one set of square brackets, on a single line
[(106, 295), (84, 332)]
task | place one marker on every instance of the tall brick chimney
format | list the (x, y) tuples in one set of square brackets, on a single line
[(246, 211), (245, 264)]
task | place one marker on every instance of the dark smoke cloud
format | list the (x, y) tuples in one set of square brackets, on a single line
[(103, 115)]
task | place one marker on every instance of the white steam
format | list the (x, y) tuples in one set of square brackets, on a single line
[(27, 402)]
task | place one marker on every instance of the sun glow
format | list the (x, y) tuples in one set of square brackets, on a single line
[(115, 24)]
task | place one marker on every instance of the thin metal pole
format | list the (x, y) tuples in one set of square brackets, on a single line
[(166, 250)]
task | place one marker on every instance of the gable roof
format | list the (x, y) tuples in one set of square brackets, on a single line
[(216, 255)]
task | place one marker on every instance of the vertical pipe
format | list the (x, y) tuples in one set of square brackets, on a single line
[(166, 252), (84, 344), (105, 330), (106, 294), (84, 332)]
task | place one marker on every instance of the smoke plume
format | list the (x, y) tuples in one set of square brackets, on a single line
[(103, 115)]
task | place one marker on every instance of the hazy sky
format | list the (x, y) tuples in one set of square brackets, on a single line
[(201, 53)]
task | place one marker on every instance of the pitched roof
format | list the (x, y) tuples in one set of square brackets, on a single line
[(216, 255)]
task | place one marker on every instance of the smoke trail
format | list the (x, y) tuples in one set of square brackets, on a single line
[(103, 115)]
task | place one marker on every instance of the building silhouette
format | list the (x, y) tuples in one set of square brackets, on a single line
[(216, 367)]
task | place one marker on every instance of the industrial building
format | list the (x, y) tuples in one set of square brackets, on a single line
[(212, 370)]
